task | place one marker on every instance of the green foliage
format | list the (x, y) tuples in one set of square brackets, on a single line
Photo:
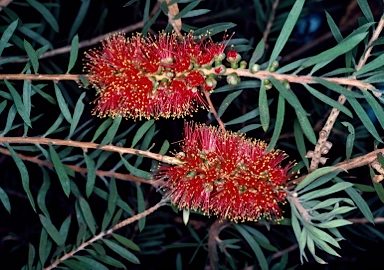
[(90, 183)]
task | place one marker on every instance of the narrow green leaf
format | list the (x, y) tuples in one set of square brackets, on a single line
[(111, 131), (373, 65), (102, 128), (32, 56), (106, 259), (299, 138), (326, 191), (11, 116), (314, 175), (31, 256), (214, 29), (126, 242), (60, 170), (91, 263), (197, 12), (2, 106), (164, 148), (146, 11), (228, 100), (257, 53), (19, 104), (5, 200), (7, 35), (64, 229), (334, 29), (44, 246), (87, 213), (27, 94), (129, 3), (47, 15), (377, 108), (91, 175), (241, 85), (140, 206), (359, 201), (327, 100), (135, 171), (51, 230), (366, 10), (331, 54), (55, 125), (279, 123), (75, 265), (35, 36), (49, 98), (187, 9), (319, 181), (245, 117), (43, 193), (113, 195), (264, 108), (248, 128), (379, 190), (364, 118), (74, 53), (336, 87), (141, 131), (79, 18), (79, 108), (149, 23), (300, 112), (62, 104), (122, 251), (254, 246), (287, 29), (291, 66), (350, 139), (24, 175)]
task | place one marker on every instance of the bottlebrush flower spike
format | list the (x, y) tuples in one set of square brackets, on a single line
[(227, 175), (150, 77)]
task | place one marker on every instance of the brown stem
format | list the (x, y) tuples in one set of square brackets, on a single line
[(90, 145), (173, 10), (213, 110), (104, 233), (100, 173), (270, 21), (349, 164), (261, 75), (213, 239), (325, 132)]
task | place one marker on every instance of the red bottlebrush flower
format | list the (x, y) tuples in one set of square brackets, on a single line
[(227, 175), (149, 77)]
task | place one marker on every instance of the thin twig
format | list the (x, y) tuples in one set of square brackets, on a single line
[(100, 173), (90, 145), (4, 3), (349, 164), (213, 110), (261, 75), (325, 132), (173, 10), (213, 239), (105, 233), (270, 21)]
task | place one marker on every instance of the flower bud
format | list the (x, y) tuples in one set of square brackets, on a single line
[(233, 79), (233, 56), (254, 68), (221, 69)]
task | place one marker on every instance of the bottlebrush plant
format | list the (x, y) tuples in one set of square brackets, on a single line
[(193, 134)]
